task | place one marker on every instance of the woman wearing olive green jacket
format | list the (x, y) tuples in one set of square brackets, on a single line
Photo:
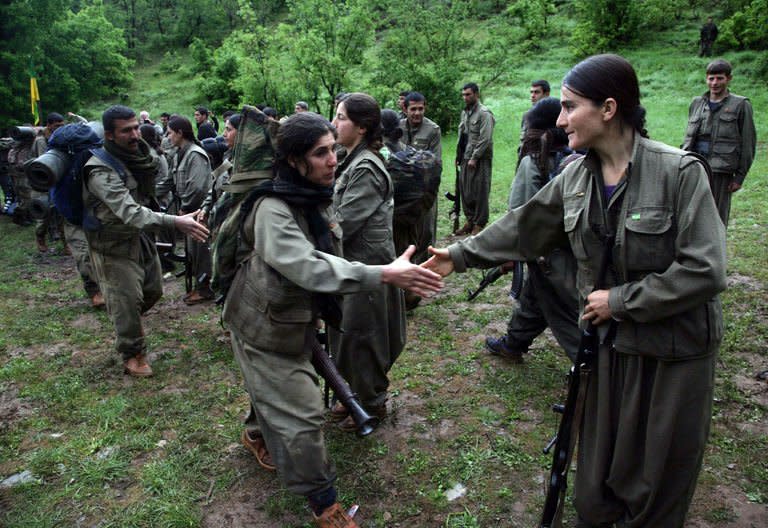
[(373, 324), (279, 292), (649, 398)]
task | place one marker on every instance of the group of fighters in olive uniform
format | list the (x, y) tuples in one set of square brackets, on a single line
[(659, 310)]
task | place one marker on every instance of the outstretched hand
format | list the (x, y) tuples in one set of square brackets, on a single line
[(187, 224), (404, 274), (440, 262)]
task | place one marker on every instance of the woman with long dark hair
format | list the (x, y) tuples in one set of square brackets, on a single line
[(649, 209), (191, 176), (289, 281), (373, 324)]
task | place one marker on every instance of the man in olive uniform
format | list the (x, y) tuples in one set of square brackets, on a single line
[(422, 133), (475, 177), (207, 125), (707, 37), (40, 145), (539, 90), (721, 128), (118, 187)]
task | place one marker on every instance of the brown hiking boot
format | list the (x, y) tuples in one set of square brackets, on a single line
[(467, 229), (476, 229), (337, 412), (334, 517), (97, 301), (42, 245), (256, 445), (198, 296), (137, 367)]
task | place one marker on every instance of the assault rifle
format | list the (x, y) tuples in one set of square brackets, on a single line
[(568, 431), (455, 212), (492, 275)]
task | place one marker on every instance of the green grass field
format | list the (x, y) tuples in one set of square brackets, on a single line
[(108, 451)]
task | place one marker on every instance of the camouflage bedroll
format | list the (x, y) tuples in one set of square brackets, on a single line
[(254, 153)]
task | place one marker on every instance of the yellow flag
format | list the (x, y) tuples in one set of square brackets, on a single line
[(34, 95)]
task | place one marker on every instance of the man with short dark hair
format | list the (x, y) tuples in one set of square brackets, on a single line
[(205, 128), (422, 133), (118, 190), (721, 128), (301, 106), (476, 125), (164, 117), (539, 90)]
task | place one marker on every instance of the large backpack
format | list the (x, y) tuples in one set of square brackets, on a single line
[(76, 140), (416, 177)]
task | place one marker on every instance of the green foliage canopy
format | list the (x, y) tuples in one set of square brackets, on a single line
[(75, 55)]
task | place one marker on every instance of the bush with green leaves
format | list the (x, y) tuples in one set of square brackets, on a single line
[(746, 28), (79, 55)]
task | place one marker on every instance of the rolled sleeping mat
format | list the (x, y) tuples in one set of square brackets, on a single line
[(254, 151), (44, 171), (23, 133), (39, 207)]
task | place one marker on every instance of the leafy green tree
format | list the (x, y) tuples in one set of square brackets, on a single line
[(74, 55), (604, 25), (329, 39), (425, 49), (746, 28), (533, 16)]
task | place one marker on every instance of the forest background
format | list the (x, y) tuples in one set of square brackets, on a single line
[(281, 51), (93, 448)]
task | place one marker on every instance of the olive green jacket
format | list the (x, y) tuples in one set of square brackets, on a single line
[(668, 256), (117, 203), (189, 178), (730, 132), (122, 212), (269, 304), (426, 137), (363, 204), (477, 123)]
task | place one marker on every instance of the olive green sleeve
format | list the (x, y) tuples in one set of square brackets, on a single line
[(192, 190), (748, 142), (435, 144), (524, 186), (484, 139), (107, 186), (524, 233), (283, 245)]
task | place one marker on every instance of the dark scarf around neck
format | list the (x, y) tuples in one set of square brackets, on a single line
[(142, 165), (297, 191)]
